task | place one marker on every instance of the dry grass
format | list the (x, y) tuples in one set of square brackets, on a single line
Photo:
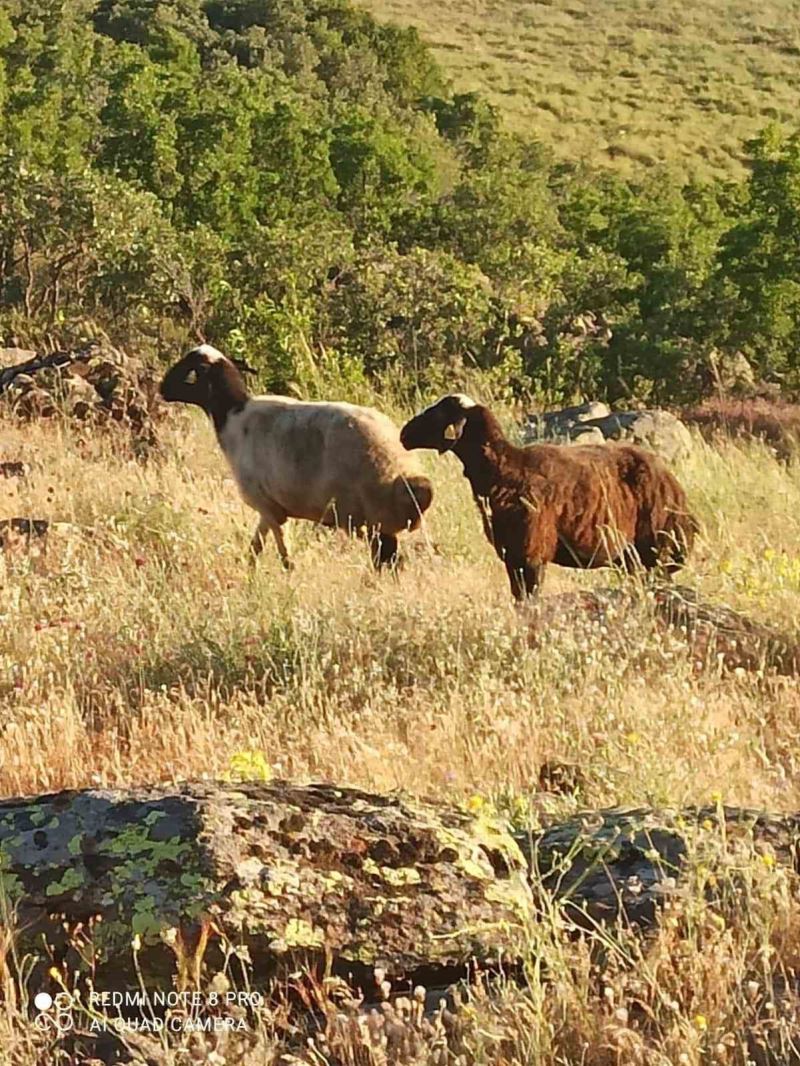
[(624, 82), (139, 648)]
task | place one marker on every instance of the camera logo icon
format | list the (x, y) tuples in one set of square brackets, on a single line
[(54, 1012)]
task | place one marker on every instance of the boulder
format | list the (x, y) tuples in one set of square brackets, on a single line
[(317, 873), (561, 424), (592, 423), (96, 384), (281, 871), (12, 356), (716, 636), (615, 864), (732, 372), (298, 892)]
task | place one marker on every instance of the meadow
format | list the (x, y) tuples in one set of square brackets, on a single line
[(627, 83), (140, 648)]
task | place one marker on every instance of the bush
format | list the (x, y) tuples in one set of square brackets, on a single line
[(294, 182)]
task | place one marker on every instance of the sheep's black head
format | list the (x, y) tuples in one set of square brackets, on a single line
[(439, 426), (208, 379)]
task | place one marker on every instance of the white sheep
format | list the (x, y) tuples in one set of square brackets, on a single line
[(331, 463)]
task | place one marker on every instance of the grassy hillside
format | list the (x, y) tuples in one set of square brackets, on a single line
[(139, 648), (627, 82), (324, 197), (143, 612)]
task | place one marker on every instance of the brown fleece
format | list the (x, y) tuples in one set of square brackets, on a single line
[(579, 506)]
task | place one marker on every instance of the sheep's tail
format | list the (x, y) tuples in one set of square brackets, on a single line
[(412, 497)]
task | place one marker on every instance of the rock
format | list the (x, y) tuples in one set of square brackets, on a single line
[(12, 356), (31, 402), (318, 888), (96, 384), (716, 636), (612, 864), (79, 387), (560, 424), (291, 874), (731, 372), (284, 871), (13, 468), (722, 636), (582, 433), (655, 429)]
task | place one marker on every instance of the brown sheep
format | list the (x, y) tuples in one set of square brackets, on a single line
[(580, 506), (331, 463)]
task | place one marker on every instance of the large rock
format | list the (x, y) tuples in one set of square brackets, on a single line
[(731, 372), (593, 423), (625, 864), (279, 870), (284, 871), (314, 887), (97, 384), (566, 424), (716, 636), (12, 356)]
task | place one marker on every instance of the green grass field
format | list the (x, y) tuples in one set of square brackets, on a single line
[(630, 83)]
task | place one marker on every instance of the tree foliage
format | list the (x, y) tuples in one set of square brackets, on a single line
[(297, 184)]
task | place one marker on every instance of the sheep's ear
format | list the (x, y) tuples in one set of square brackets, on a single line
[(453, 431)]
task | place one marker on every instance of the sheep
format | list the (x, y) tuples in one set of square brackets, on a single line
[(575, 505), (331, 463)]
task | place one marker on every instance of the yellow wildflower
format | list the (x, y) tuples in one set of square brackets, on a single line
[(250, 766)]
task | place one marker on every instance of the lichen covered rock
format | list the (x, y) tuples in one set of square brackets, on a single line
[(277, 869)]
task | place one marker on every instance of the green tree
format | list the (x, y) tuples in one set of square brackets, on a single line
[(756, 295)]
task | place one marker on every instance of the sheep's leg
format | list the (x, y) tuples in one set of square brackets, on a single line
[(525, 579), (486, 517), (267, 524), (384, 550)]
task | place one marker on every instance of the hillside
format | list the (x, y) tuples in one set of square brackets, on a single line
[(628, 82), (136, 649), (297, 184)]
